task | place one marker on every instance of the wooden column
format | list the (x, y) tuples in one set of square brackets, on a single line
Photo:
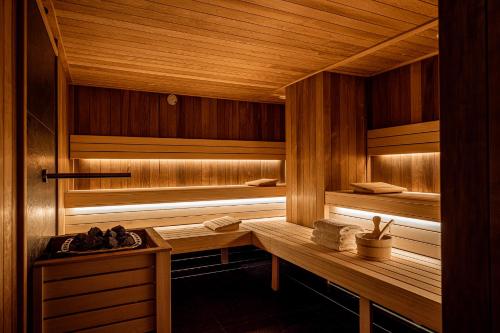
[(275, 273), (365, 315), (8, 276), (469, 35), (224, 256), (325, 141)]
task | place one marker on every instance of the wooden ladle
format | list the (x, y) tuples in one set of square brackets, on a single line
[(385, 229)]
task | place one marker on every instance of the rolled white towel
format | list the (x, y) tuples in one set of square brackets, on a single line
[(336, 228)]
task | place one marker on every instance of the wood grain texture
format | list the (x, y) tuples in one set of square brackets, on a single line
[(105, 290), (406, 95), (415, 205), (469, 33), (169, 173), (326, 141), (390, 284), (137, 148), (416, 172), (232, 49), (196, 237), (98, 111), (169, 194), (8, 276), (405, 139), (143, 217)]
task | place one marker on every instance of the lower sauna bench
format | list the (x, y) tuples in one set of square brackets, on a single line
[(122, 291), (409, 284)]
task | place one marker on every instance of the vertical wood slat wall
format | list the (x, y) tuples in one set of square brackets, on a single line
[(102, 111), (8, 275), (403, 96), (326, 141), (470, 153)]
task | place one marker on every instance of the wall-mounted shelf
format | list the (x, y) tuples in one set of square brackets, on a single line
[(424, 206), (406, 139), (116, 147), (95, 198)]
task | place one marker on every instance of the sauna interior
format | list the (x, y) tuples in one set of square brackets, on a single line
[(224, 166)]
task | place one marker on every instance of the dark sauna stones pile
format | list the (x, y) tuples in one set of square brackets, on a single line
[(96, 239)]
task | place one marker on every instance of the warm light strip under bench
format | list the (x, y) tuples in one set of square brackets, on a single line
[(138, 196), (406, 139), (118, 147), (425, 206)]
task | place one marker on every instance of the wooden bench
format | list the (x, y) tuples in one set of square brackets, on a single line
[(409, 284)]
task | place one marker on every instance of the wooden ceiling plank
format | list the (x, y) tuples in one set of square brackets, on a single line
[(140, 69), (266, 17), (185, 60), (416, 6), (113, 80), (136, 16), (299, 9), (180, 68), (139, 43), (307, 17), (232, 19), (426, 56), (394, 12), (367, 11), (391, 41)]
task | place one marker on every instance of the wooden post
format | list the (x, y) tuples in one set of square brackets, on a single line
[(275, 273), (38, 299), (163, 321), (224, 256), (365, 315), (470, 164)]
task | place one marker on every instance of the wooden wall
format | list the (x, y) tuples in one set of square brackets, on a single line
[(326, 141), (101, 111), (8, 276), (406, 95), (470, 155)]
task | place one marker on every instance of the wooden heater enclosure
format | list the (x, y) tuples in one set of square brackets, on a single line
[(105, 292)]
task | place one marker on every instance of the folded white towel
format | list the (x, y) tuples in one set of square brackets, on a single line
[(328, 236), (225, 223), (344, 246), (336, 228)]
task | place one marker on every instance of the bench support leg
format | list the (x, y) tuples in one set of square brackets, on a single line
[(365, 315), (224, 255), (275, 273)]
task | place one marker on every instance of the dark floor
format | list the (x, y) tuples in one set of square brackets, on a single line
[(209, 297)]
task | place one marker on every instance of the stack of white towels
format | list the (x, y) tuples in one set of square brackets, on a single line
[(335, 235)]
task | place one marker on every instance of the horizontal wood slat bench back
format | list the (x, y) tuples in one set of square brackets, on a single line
[(408, 284)]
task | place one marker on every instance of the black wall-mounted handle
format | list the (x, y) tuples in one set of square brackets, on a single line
[(46, 176)]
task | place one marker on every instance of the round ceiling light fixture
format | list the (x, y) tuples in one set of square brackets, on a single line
[(172, 99)]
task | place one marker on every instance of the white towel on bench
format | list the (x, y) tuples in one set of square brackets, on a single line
[(225, 223), (335, 235), (336, 228)]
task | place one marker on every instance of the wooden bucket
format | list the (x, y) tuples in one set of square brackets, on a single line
[(374, 249)]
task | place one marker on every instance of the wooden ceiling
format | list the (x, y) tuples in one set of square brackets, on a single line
[(233, 49)]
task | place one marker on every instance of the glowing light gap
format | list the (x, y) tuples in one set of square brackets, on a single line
[(173, 205)]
